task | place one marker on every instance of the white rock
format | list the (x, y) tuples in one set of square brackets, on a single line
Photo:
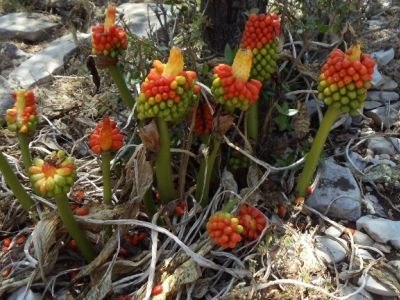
[(373, 206), (362, 239), (380, 145), (364, 254), (383, 247), (329, 249), (380, 229), (383, 57), (357, 160), (337, 190), (375, 287), (349, 289), (382, 96), (26, 26), (370, 104), (42, 65), (333, 231)]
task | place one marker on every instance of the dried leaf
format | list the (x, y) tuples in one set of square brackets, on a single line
[(253, 175), (228, 181), (101, 288), (150, 137), (222, 123), (301, 121)]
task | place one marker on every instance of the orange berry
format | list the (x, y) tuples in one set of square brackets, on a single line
[(81, 211), (157, 289)]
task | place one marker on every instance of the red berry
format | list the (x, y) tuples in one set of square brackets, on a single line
[(252, 220), (81, 211), (72, 245), (157, 289)]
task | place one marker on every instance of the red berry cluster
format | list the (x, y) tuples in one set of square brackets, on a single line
[(167, 97), (180, 208), (106, 137), (233, 92), (345, 79), (224, 230), (204, 118), (135, 239), (22, 116), (108, 39), (252, 220), (260, 35)]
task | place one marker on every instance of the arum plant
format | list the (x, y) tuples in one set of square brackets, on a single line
[(54, 177), (232, 89), (261, 36), (108, 42), (166, 95), (105, 140), (343, 85), (22, 119)]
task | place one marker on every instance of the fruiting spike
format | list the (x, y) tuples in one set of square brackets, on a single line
[(106, 135), (242, 63), (110, 17), (175, 63), (22, 116), (354, 53), (20, 103)]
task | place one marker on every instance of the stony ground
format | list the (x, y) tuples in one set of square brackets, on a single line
[(344, 243)]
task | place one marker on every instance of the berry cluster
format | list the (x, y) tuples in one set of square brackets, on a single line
[(136, 238), (53, 175), (106, 137), (168, 97), (108, 39), (233, 92), (204, 118), (345, 79), (238, 161), (22, 117), (260, 35), (224, 230), (252, 220)]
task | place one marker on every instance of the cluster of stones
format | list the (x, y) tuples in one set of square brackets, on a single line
[(167, 97), (238, 161), (252, 220), (22, 117), (345, 79), (233, 92), (224, 230), (204, 118), (261, 36), (108, 39), (53, 175), (106, 137)]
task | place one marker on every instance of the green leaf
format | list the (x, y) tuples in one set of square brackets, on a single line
[(228, 54), (282, 121)]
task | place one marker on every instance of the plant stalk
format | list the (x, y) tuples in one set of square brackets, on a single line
[(121, 85), (206, 169), (252, 122), (149, 204), (164, 166), (23, 140), (105, 166), (16, 187), (317, 146), (73, 228)]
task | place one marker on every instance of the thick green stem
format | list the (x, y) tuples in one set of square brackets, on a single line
[(316, 148), (105, 166), (121, 85), (73, 228), (149, 203), (252, 122), (23, 140), (206, 169), (165, 182), (13, 182)]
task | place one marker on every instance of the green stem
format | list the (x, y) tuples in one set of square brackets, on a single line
[(165, 182), (230, 205), (73, 228), (105, 166), (315, 152), (121, 85), (149, 203), (252, 122), (23, 140), (13, 182), (206, 169)]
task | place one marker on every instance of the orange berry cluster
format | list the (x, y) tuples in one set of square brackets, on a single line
[(167, 97), (224, 230), (204, 118), (22, 117), (106, 137), (252, 220), (345, 79), (233, 92), (108, 39), (53, 175), (260, 35)]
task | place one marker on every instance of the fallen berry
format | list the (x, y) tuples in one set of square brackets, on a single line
[(281, 210), (7, 242), (21, 240), (122, 251), (81, 211), (224, 230), (180, 209), (6, 272), (309, 190), (252, 220), (72, 244), (157, 290)]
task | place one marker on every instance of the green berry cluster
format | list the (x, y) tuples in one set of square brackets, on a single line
[(265, 61)]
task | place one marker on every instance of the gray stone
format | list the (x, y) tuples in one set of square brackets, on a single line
[(141, 17), (357, 160), (10, 55), (373, 206), (377, 77), (349, 289), (362, 239), (333, 231), (364, 254), (6, 101), (396, 143), (370, 104), (382, 96), (380, 145), (375, 287), (31, 27), (42, 65), (337, 190), (383, 57), (380, 229), (383, 247), (387, 84), (384, 116), (395, 264), (330, 250)]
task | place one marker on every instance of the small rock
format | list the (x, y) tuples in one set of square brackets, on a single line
[(362, 239), (329, 249), (376, 24), (382, 96), (380, 145), (358, 161), (373, 206), (380, 229), (396, 143), (395, 264), (384, 116), (32, 27), (368, 105), (383, 57), (6, 101), (333, 231), (337, 190), (364, 254), (10, 55), (377, 78), (375, 287), (388, 84), (383, 247), (349, 289)]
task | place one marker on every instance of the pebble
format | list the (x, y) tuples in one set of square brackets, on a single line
[(333, 231), (381, 145), (395, 264), (330, 250), (375, 287), (362, 239), (383, 57), (362, 295), (364, 254), (371, 104), (383, 247), (382, 96), (357, 160), (384, 116), (373, 206)]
